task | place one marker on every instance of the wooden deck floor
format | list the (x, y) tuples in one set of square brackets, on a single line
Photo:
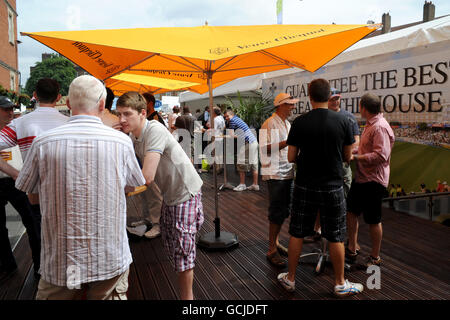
[(415, 253)]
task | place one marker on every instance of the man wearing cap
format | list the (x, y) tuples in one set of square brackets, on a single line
[(22, 131), (17, 198), (334, 103), (277, 171)]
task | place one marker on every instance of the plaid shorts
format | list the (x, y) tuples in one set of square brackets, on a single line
[(308, 202), (179, 225)]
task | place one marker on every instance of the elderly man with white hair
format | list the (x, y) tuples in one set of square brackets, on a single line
[(82, 169)]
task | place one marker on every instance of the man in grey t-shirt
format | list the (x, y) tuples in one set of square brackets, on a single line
[(165, 163)]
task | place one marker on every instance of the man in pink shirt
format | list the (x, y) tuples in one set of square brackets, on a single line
[(372, 176)]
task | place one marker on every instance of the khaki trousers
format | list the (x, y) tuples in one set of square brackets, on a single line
[(145, 206), (111, 289)]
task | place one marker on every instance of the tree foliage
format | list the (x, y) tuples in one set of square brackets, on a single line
[(252, 110), (55, 67)]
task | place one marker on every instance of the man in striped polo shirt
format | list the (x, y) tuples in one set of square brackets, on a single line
[(22, 131), (248, 150), (82, 170)]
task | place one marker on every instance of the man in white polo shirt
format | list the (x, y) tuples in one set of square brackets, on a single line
[(277, 171), (165, 163), (22, 131)]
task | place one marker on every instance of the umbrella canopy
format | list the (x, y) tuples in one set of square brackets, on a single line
[(195, 54), (123, 82), (201, 54)]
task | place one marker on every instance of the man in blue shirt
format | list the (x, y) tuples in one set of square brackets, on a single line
[(248, 150)]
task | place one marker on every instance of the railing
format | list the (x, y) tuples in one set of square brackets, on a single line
[(430, 197)]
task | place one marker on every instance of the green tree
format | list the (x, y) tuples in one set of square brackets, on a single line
[(55, 67)]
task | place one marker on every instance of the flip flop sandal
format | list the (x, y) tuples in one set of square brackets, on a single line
[(276, 259)]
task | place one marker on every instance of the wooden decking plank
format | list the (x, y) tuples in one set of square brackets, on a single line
[(29, 289), (238, 289), (209, 278), (414, 252), (14, 284), (159, 266), (134, 285)]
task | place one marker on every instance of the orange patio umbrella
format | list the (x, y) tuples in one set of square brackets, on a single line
[(204, 55), (123, 82)]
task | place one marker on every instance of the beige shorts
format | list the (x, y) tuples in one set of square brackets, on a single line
[(111, 289), (248, 157)]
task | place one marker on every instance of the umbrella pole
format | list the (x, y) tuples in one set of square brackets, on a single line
[(217, 240)]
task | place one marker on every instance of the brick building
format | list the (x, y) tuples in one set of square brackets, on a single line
[(9, 66)]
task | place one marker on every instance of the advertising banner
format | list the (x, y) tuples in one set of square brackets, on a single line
[(413, 84)]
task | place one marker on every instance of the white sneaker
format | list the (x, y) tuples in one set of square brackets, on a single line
[(240, 187), (348, 289), (137, 231), (288, 285), (253, 187), (153, 232)]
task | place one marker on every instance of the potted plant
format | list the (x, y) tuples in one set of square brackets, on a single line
[(252, 110)]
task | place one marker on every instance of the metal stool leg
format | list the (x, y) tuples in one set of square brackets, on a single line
[(322, 256)]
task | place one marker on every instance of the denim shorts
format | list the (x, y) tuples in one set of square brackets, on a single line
[(308, 202), (280, 195)]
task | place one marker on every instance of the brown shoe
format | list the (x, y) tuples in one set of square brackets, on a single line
[(276, 260), (371, 261)]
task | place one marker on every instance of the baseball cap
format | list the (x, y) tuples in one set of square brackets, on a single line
[(5, 102), (284, 98), (335, 93)]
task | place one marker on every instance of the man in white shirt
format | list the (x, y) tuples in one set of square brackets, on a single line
[(81, 170), (165, 163), (22, 131), (277, 171)]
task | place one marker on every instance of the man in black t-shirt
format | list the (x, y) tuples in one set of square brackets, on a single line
[(319, 142)]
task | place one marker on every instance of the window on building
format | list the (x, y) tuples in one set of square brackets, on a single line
[(11, 31), (12, 77)]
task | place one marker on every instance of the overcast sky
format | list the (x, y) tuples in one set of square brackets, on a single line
[(60, 15)]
